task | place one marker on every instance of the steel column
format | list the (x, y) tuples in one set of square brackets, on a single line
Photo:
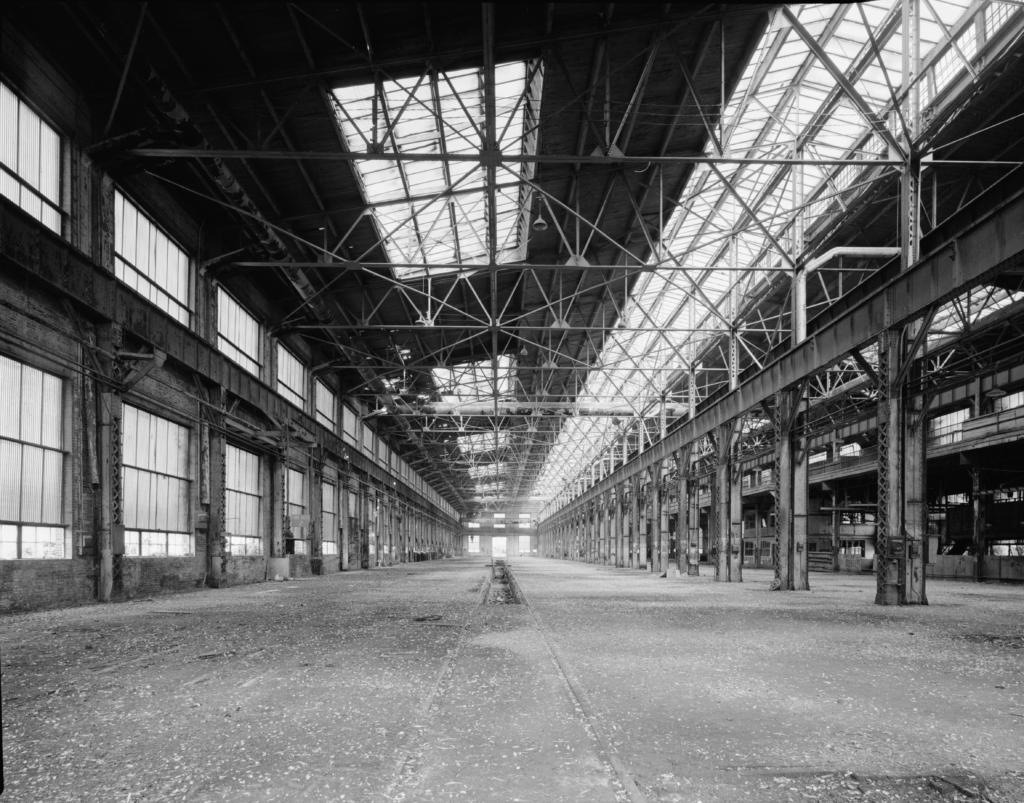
[(889, 542), (655, 564), (735, 558), (634, 522)]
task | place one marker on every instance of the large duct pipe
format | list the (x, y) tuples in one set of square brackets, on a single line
[(850, 251)]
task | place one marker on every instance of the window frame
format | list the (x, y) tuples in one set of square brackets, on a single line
[(331, 422), (244, 540), (299, 397), (299, 535), (65, 492), (188, 304), (186, 535), (256, 361), (23, 183), (328, 490)]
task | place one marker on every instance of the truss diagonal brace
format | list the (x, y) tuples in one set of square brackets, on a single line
[(783, 252), (865, 367), (840, 78), (688, 77), (151, 361)]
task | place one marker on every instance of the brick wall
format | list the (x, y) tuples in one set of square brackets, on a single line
[(246, 569), (30, 584), (147, 577)]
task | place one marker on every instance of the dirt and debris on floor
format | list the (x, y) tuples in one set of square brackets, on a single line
[(609, 685)]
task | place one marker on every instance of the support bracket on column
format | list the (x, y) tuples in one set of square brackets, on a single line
[(794, 411), (148, 361), (915, 347)]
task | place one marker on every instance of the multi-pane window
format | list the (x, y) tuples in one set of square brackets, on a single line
[(326, 406), (242, 500), (329, 517), (1009, 402), (474, 543), (29, 161), (238, 333), (154, 485), (291, 377), (295, 506), (148, 262), (948, 428), (31, 463), (524, 543), (349, 420)]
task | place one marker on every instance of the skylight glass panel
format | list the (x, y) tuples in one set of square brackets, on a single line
[(483, 442), (480, 470), (435, 213), (475, 381)]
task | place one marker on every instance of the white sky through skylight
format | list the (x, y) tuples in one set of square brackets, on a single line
[(435, 114), (475, 380)]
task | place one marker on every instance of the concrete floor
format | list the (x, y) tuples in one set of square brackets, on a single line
[(398, 685)]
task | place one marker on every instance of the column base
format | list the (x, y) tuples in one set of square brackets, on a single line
[(278, 566)]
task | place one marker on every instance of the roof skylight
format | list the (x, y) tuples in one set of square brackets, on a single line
[(476, 381), (483, 441), (435, 213), (721, 257)]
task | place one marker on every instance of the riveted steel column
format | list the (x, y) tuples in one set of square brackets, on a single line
[(656, 531), (664, 489), (721, 498), (615, 511), (783, 491), (602, 528), (682, 508), (643, 535), (634, 522), (914, 479), (111, 534), (800, 580), (890, 546), (735, 514)]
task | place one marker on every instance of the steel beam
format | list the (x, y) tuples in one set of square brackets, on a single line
[(504, 158)]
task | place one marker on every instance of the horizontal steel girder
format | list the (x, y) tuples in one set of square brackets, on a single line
[(504, 158), (994, 243), (529, 409)]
